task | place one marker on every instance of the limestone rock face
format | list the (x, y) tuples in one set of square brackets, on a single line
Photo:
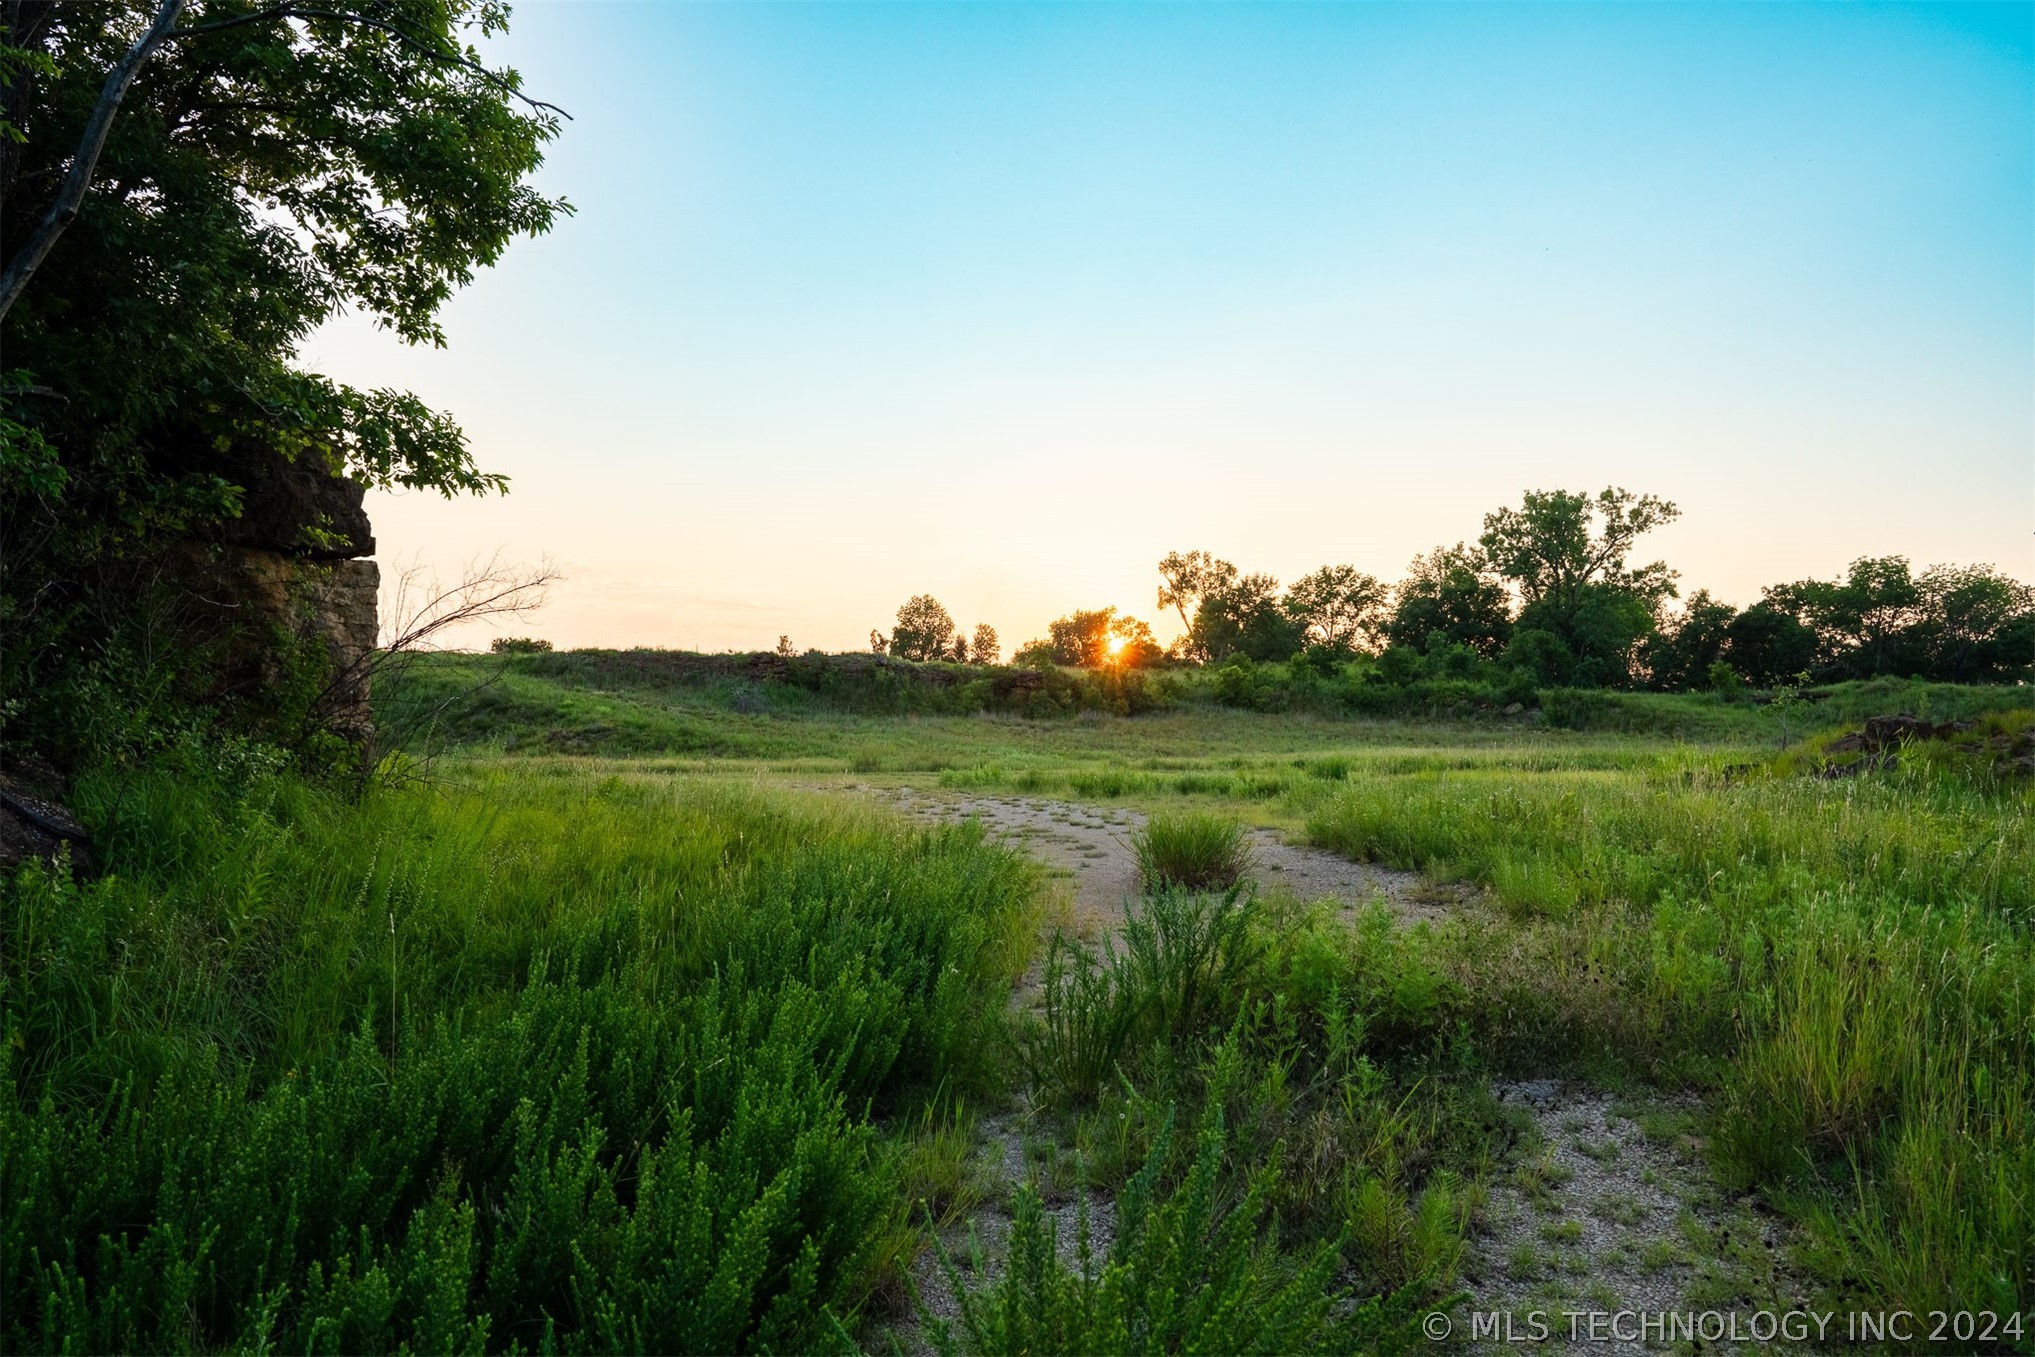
[(302, 512), (287, 571)]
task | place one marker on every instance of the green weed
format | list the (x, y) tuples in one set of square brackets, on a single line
[(1191, 851)]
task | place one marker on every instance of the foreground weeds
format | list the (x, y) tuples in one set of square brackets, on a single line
[(570, 1064), (1849, 964)]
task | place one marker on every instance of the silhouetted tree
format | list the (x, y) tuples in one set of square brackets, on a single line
[(1679, 654), (1188, 578), (1767, 645), (985, 649), (1092, 639), (924, 630), (1452, 591), (1244, 617), (1567, 553), (1338, 607), (1977, 624)]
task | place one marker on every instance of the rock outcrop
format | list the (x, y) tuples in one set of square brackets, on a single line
[(287, 573)]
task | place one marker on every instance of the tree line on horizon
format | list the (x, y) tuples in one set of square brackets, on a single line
[(1546, 593)]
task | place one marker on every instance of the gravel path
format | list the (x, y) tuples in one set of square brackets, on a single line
[(1608, 1209), (1089, 846)]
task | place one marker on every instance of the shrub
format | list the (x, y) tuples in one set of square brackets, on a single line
[(1184, 1273), (1180, 974), (625, 1097), (518, 645), (1191, 850)]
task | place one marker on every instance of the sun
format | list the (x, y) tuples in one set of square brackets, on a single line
[(1115, 644)]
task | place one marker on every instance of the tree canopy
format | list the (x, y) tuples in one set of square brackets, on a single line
[(1452, 592), (1186, 578), (267, 167), (924, 631), (1338, 607)]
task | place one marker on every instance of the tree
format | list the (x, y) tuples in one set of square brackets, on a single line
[(985, 649), (1557, 543), (1567, 553), (1244, 617), (1338, 607), (190, 189), (1859, 620), (1099, 637), (1188, 578), (1679, 655), (924, 631), (1453, 591), (1977, 624), (1768, 645), (879, 644)]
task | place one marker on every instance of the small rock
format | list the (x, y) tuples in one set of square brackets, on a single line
[(33, 824)]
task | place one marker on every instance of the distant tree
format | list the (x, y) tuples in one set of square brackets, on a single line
[(518, 645), (1131, 644), (1338, 607), (1766, 644), (1558, 543), (1567, 553), (985, 649), (1680, 654), (1081, 637), (1186, 579), (784, 647), (1602, 630), (1454, 591), (1977, 624), (1244, 617), (959, 654), (1035, 654), (1542, 655), (924, 630), (879, 644), (1092, 639), (1860, 620)]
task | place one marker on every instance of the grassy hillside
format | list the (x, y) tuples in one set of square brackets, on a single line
[(649, 702)]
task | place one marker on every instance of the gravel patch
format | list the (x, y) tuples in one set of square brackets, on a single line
[(1610, 1208), (979, 1245), (1090, 847)]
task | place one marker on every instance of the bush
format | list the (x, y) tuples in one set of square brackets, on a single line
[(518, 645), (1191, 851), (577, 1065), (1186, 1271)]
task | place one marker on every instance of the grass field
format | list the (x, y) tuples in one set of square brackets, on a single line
[(628, 1019)]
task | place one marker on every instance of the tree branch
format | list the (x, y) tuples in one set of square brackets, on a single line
[(430, 49), (63, 210), (71, 193)]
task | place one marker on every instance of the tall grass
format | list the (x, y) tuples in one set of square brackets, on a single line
[(1850, 964), (1180, 972), (1191, 850), (570, 1063)]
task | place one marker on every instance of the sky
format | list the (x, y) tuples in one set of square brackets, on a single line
[(1002, 302)]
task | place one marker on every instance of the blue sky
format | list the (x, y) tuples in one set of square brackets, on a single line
[(1002, 302)]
